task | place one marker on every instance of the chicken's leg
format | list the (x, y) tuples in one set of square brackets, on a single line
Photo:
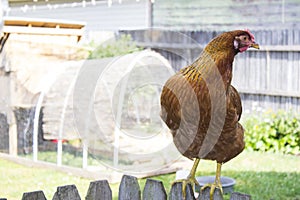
[(190, 178), (216, 184)]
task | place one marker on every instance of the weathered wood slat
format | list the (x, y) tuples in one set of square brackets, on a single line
[(176, 192), (68, 192), (271, 93), (205, 194), (239, 196), (169, 45), (36, 195), (154, 190), (129, 188), (99, 190), (277, 48)]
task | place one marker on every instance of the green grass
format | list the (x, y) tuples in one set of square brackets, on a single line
[(17, 179), (263, 175)]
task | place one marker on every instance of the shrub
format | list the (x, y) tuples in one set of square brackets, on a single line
[(274, 132), (112, 48)]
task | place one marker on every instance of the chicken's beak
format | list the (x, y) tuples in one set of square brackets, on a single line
[(254, 45)]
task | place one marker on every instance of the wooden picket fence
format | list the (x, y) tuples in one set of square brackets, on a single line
[(129, 189), (268, 79)]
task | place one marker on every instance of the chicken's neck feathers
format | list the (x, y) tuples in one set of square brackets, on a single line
[(206, 65), (219, 53)]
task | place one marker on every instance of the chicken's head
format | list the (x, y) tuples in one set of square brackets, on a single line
[(245, 40)]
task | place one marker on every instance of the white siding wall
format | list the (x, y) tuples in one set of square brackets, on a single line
[(98, 17)]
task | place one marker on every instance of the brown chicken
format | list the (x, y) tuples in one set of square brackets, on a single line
[(202, 108)]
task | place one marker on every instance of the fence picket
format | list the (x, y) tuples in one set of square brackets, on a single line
[(68, 192), (239, 196), (129, 188), (99, 190), (154, 190), (176, 192), (36, 195), (205, 194)]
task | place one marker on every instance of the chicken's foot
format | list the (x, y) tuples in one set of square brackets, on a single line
[(216, 184), (190, 179)]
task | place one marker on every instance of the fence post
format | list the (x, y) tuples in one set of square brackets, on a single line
[(36, 195), (205, 194), (240, 196), (176, 192), (154, 190), (129, 188), (68, 192), (99, 190)]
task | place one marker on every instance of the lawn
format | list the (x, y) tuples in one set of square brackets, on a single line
[(263, 175)]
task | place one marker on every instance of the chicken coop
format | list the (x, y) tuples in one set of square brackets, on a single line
[(99, 113), (110, 109)]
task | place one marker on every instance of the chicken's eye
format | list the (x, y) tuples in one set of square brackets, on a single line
[(245, 38)]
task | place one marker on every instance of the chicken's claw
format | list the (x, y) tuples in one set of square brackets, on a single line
[(212, 187), (189, 180), (216, 184)]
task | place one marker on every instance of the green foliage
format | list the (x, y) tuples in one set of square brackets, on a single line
[(112, 48), (275, 132)]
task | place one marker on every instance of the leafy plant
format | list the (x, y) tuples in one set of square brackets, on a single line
[(275, 132), (112, 48)]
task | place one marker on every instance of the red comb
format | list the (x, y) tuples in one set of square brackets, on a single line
[(251, 35)]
